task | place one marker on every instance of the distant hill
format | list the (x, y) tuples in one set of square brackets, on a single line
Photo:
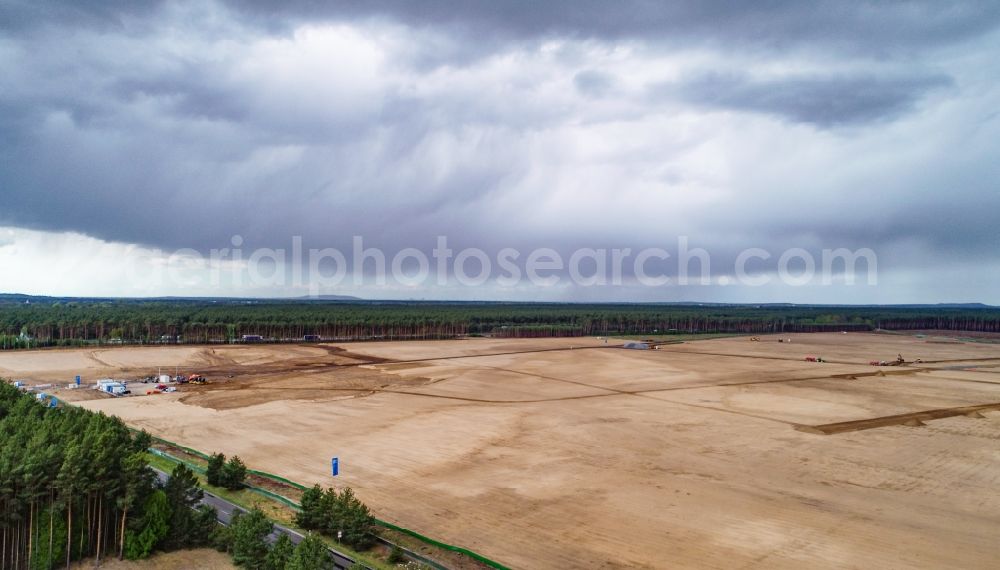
[(329, 298)]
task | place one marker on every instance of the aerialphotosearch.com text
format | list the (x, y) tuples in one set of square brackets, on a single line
[(324, 269)]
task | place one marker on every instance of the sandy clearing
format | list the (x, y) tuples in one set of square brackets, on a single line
[(62, 365), (826, 401), (32, 362), (437, 349), (857, 348), (607, 458), (146, 357)]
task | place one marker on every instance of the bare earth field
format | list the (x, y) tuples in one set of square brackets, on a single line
[(573, 453)]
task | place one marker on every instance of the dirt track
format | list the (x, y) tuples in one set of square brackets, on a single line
[(543, 456)]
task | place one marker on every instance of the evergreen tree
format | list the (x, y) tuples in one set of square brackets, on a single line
[(137, 484), (73, 484), (221, 538), (213, 473), (141, 442), (183, 494), (333, 512), (356, 521), (52, 542), (234, 473), (68, 480), (280, 554), (310, 554), (311, 516), (250, 531), (333, 516), (205, 523), (155, 526)]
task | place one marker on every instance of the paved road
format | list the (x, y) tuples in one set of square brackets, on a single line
[(226, 510)]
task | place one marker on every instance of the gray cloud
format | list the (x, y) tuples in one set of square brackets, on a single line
[(884, 26), (825, 101), (595, 83), (404, 121)]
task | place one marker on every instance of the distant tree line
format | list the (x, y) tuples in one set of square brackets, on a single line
[(69, 323)]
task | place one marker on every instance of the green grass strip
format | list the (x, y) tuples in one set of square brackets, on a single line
[(277, 478), (451, 547), (194, 452)]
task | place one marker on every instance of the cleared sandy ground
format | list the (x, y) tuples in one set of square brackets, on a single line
[(706, 454)]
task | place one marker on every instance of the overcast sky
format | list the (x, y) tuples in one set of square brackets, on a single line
[(128, 133)]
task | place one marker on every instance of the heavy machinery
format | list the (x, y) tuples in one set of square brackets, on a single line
[(898, 362), (197, 379)]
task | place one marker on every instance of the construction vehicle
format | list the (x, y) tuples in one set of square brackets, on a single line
[(197, 379), (898, 362)]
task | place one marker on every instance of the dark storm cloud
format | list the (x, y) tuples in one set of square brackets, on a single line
[(883, 26), (20, 15), (184, 124), (822, 101)]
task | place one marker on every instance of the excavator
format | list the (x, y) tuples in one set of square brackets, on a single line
[(898, 362)]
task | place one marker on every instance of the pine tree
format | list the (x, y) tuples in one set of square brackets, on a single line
[(213, 473), (203, 526), (141, 442), (68, 482), (183, 494), (280, 554), (357, 521), (137, 484), (155, 526), (332, 512), (250, 531), (310, 517), (234, 473), (221, 538), (310, 554)]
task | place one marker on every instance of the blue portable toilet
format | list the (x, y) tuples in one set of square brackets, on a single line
[(78, 381), (335, 466)]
